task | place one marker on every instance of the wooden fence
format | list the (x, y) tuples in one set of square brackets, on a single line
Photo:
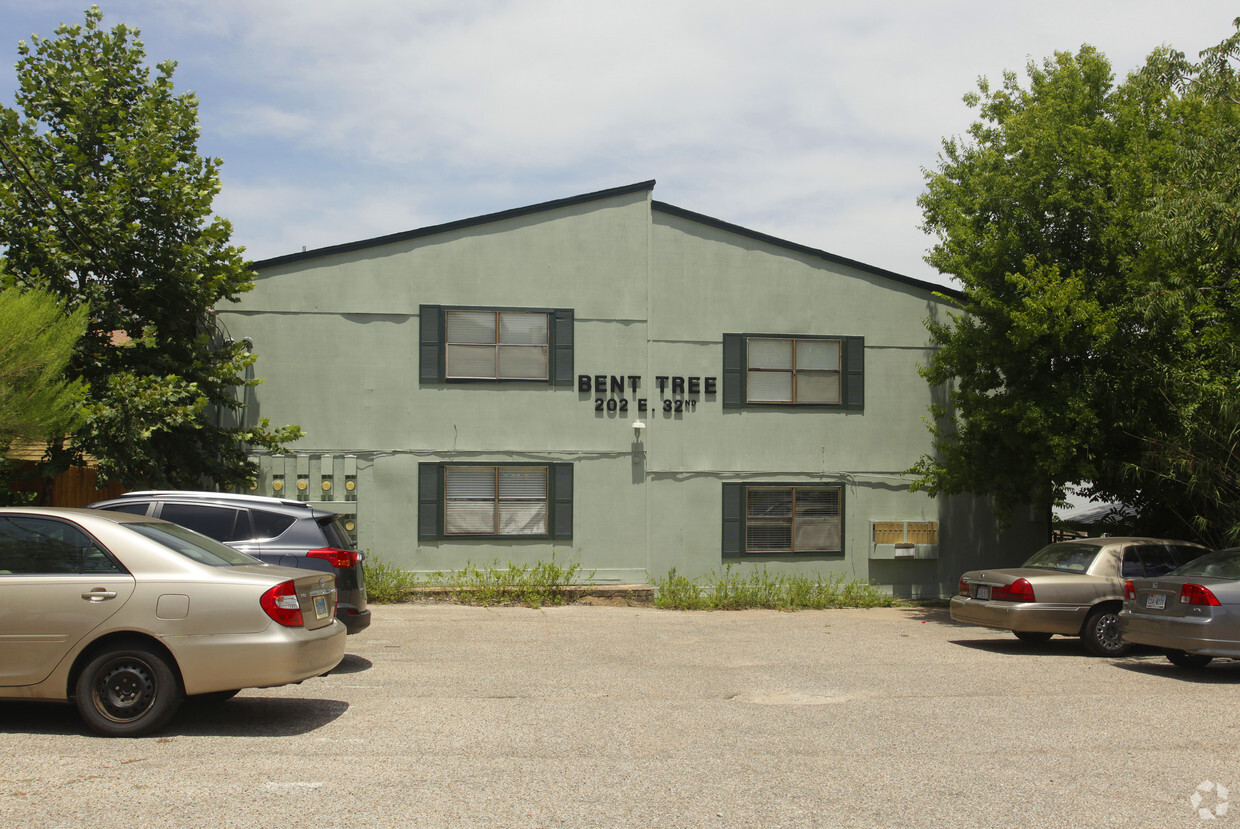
[(76, 487)]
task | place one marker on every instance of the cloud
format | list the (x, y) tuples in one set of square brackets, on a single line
[(799, 118)]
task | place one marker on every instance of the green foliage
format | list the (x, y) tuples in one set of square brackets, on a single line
[(387, 583), (545, 583), (1093, 227), (1193, 230), (105, 202), (35, 398), (730, 591)]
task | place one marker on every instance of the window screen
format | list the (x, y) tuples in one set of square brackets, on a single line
[(792, 519)]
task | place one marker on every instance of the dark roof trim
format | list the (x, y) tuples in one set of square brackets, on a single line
[(456, 225), (672, 210)]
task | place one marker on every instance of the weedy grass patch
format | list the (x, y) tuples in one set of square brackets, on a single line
[(760, 589), (546, 583)]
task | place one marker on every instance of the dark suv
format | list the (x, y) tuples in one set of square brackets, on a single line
[(275, 530)]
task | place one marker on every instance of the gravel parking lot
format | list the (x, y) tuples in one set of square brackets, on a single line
[(443, 715)]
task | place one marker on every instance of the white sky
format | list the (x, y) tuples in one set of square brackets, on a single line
[(805, 119)]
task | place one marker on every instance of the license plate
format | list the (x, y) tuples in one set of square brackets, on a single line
[(1156, 601), (320, 607), (983, 592)]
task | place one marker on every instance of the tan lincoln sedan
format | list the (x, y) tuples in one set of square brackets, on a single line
[(1072, 588), (126, 616)]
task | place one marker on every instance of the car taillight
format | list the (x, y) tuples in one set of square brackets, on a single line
[(1018, 591), (280, 603), (1130, 590), (964, 588), (1198, 595), (337, 557)]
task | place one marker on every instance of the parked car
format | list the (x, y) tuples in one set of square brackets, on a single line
[(1193, 613), (125, 616), (1071, 588), (274, 530)]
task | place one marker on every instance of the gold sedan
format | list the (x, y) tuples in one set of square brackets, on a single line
[(1073, 588), (126, 616)]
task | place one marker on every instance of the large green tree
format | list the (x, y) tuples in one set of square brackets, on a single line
[(1191, 470), (106, 202), (1070, 362)]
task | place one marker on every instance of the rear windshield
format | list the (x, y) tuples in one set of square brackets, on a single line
[(1074, 558), (1225, 564), (335, 532), (192, 545)]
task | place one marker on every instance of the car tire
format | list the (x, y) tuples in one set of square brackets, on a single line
[(127, 691), (1032, 637), (1101, 633), (1188, 661)]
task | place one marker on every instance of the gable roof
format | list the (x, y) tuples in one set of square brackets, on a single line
[(672, 210), (599, 195), (459, 224)]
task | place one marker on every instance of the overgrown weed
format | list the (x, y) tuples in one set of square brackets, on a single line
[(760, 589)]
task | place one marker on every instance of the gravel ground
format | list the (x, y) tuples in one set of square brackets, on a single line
[(443, 715)]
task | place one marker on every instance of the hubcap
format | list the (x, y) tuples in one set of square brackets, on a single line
[(1108, 632), (124, 690)]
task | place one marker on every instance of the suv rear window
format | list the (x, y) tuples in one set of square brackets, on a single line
[(270, 524), (337, 536), (220, 523)]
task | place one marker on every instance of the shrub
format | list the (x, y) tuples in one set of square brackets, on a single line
[(387, 583)]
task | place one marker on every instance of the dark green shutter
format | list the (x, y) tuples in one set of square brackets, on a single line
[(430, 349), (562, 347), (854, 372), (430, 500), (733, 519), (733, 371), (562, 501)]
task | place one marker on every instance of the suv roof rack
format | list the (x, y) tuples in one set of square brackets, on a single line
[(202, 494)]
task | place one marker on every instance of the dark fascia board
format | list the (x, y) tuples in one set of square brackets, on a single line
[(419, 233), (672, 210)]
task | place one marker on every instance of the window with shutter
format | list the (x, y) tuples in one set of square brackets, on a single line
[(801, 371), (781, 518), (495, 500), (496, 344)]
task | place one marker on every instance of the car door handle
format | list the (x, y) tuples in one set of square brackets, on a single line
[(99, 594)]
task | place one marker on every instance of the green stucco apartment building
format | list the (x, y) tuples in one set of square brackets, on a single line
[(620, 383)]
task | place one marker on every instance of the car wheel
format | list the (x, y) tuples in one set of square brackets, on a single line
[(127, 692), (1101, 634), (1032, 637), (1192, 661), (213, 697)]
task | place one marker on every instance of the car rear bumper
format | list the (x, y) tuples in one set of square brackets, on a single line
[(276, 656), (1192, 635), (1032, 617), (354, 620)]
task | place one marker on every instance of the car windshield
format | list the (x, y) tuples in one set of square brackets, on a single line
[(1224, 564), (1074, 558), (192, 545)]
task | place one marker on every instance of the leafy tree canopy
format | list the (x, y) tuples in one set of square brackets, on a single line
[(35, 398), (105, 202), (1093, 227)]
